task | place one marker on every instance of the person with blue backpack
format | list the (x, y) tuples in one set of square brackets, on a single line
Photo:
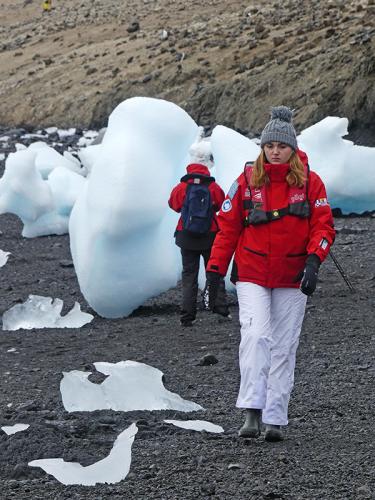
[(197, 197)]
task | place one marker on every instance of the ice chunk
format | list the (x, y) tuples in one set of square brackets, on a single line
[(231, 151), (196, 425), (44, 206), (129, 386), (121, 228), (65, 187), (62, 133), (47, 159), (87, 138), (12, 429), (112, 469), (42, 312), (89, 155), (3, 257), (338, 162), (22, 190), (51, 130)]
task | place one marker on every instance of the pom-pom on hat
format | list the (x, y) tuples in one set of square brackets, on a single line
[(200, 150), (280, 128)]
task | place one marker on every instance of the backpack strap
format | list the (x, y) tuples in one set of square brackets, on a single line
[(204, 179)]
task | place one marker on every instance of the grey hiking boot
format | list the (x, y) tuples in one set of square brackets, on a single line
[(251, 427), (273, 433)]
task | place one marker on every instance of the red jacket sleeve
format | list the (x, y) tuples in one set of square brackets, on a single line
[(230, 220), (177, 197), (217, 195), (322, 232)]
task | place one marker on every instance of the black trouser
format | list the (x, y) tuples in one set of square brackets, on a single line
[(190, 271)]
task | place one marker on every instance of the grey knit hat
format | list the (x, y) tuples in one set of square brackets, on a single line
[(280, 128)]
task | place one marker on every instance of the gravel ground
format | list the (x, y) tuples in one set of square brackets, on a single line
[(329, 448)]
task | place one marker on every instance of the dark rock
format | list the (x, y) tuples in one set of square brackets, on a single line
[(133, 27), (208, 359), (66, 263)]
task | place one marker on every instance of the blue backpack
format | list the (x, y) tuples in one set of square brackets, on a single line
[(197, 211)]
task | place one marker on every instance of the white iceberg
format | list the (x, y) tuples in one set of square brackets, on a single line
[(121, 228), (43, 312), (112, 469), (129, 386)]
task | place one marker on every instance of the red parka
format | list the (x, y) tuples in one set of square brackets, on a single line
[(272, 254), (176, 201)]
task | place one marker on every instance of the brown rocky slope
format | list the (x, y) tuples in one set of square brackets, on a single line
[(225, 62)]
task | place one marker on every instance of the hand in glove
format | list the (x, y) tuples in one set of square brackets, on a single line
[(309, 276), (212, 284)]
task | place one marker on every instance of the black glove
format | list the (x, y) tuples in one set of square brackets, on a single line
[(212, 285), (309, 276)]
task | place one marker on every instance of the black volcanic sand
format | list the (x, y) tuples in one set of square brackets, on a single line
[(329, 448)]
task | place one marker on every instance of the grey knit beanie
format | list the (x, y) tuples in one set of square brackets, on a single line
[(280, 128)]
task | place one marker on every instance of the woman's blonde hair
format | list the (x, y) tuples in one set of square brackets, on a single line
[(295, 177)]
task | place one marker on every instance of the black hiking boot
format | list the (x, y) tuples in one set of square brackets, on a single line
[(251, 427), (187, 322), (273, 433)]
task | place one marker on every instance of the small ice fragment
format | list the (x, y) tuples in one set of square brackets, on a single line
[(12, 429), (3, 257), (112, 469), (196, 425), (129, 386), (66, 132), (43, 312)]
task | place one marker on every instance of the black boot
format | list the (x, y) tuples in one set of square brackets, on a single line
[(251, 427), (273, 433)]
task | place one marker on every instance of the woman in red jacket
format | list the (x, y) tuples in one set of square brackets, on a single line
[(277, 222)]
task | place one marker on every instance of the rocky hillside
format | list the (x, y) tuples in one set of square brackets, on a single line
[(224, 61)]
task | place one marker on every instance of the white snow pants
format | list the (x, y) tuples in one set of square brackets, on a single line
[(271, 321)]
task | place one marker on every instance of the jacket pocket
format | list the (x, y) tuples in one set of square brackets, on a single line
[(254, 251), (253, 265)]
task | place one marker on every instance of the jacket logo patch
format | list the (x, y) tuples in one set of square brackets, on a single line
[(323, 244), (257, 195), (297, 197), (233, 190), (226, 206), (321, 202)]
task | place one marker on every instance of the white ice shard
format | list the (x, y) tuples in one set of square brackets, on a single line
[(3, 257), (12, 429), (196, 425), (43, 312), (112, 469), (22, 189), (129, 386)]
